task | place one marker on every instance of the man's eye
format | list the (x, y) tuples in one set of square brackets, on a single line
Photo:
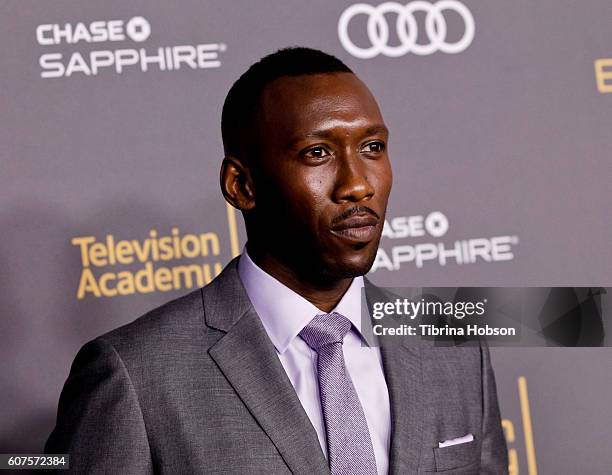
[(316, 152), (374, 147)]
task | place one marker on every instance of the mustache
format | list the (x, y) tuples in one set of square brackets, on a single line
[(347, 213)]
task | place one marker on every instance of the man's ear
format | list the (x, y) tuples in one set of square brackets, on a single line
[(237, 184)]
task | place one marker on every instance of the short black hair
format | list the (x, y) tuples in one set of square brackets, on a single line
[(242, 100)]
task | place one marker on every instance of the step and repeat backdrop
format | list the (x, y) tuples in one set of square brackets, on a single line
[(501, 144)]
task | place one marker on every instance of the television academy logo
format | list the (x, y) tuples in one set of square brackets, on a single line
[(137, 29), (407, 28)]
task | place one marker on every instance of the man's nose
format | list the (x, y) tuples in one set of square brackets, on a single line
[(351, 179)]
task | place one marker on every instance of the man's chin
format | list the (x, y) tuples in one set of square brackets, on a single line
[(346, 273), (350, 267)]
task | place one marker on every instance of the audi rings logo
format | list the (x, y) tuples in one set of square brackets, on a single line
[(407, 28)]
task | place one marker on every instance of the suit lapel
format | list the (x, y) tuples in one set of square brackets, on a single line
[(249, 361)]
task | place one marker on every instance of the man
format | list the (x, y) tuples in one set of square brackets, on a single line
[(265, 370)]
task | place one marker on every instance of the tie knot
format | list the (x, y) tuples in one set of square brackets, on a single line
[(325, 329)]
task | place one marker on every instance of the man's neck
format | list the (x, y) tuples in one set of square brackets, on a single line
[(322, 293)]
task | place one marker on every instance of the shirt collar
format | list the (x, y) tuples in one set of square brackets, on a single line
[(284, 312)]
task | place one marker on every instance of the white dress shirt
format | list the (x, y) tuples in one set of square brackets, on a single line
[(284, 313)]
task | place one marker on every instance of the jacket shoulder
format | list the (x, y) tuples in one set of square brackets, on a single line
[(179, 326), (175, 322)]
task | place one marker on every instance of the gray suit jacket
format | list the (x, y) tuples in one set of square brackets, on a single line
[(196, 386)]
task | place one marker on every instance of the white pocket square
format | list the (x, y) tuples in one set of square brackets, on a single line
[(457, 441)]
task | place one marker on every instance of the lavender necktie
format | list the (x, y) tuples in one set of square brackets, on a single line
[(349, 445)]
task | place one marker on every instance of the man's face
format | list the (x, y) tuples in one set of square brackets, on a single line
[(322, 176)]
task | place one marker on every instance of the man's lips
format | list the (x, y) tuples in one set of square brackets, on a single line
[(359, 228)]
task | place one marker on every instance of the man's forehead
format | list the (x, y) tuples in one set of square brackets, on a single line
[(302, 100), (308, 87)]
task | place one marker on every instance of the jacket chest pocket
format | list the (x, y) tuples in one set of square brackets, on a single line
[(457, 459)]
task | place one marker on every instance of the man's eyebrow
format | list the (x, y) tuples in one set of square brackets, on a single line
[(313, 134), (377, 129), (326, 133), (323, 133)]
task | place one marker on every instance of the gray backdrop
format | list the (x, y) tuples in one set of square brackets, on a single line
[(503, 135)]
